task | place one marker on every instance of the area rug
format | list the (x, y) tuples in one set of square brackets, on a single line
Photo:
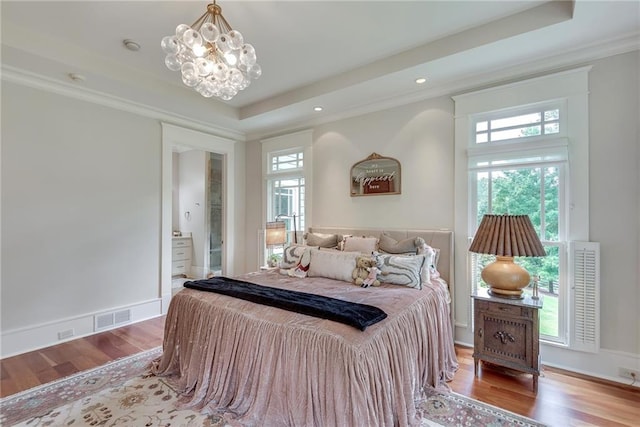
[(124, 393)]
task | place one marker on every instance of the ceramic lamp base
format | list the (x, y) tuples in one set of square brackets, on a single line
[(505, 278)]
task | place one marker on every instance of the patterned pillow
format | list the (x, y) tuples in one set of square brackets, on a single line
[(332, 264), (292, 254), (322, 240), (404, 270), (365, 245)]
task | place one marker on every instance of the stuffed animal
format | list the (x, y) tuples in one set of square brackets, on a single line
[(372, 278), (300, 270), (363, 264)]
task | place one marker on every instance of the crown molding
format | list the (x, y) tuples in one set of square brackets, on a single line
[(576, 57), (37, 81), (550, 64)]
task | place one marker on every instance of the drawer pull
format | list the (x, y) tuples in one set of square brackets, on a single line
[(179, 253), (480, 332), (504, 336)]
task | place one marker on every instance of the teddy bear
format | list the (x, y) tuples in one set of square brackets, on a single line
[(372, 278), (365, 270)]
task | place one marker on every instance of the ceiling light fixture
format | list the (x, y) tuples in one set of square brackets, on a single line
[(421, 80), (213, 58), (318, 108)]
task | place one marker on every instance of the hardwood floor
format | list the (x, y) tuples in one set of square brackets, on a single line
[(563, 399), (30, 369)]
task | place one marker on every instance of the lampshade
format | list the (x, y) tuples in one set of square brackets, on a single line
[(506, 236), (212, 57), (275, 233)]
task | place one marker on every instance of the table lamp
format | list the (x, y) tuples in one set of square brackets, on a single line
[(506, 236)]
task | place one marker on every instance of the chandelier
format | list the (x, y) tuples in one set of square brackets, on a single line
[(213, 58)]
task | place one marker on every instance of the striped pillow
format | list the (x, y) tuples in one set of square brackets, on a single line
[(404, 270)]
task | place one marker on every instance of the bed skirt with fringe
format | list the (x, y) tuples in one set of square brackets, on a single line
[(264, 366)]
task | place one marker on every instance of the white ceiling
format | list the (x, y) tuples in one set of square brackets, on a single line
[(350, 57)]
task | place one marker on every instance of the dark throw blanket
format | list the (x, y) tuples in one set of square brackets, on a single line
[(350, 313)]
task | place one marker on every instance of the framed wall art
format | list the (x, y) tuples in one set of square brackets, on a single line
[(375, 176)]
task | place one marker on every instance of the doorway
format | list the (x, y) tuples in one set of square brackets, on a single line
[(219, 247)]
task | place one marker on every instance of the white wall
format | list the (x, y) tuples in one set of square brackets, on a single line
[(419, 136), (615, 195), (192, 209), (80, 208), (253, 202), (83, 187)]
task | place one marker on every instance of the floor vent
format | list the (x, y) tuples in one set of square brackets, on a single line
[(109, 320)]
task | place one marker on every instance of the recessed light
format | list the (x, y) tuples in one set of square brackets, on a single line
[(421, 80), (131, 45), (318, 108)]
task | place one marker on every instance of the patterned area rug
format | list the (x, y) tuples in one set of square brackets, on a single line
[(124, 393)]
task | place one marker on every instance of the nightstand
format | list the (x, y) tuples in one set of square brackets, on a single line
[(506, 333)]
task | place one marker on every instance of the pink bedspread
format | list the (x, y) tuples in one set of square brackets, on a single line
[(264, 366)]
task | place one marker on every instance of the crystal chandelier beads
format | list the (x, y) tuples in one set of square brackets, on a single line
[(213, 58)]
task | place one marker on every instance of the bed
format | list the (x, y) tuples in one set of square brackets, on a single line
[(265, 366)]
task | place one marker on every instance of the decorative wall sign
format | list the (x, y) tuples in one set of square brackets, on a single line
[(376, 175)]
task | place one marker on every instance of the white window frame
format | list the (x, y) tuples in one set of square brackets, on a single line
[(524, 153), (570, 86), (558, 104), (301, 141), (284, 174)]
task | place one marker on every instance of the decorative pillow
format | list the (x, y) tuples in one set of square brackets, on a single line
[(426, 249), (365, 245), (322, 240), (404, 270), (291, 255), (302, 268), (332, 264), (392, 246)]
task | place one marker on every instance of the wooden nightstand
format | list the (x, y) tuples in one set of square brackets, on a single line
[(506, 333)]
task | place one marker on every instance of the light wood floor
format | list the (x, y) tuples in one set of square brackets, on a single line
[(562, 400)]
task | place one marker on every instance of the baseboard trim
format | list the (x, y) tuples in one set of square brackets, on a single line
[(602, 365), (35, 337)]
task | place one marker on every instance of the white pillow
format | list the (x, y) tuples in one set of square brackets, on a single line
[(366, 245), (432, 258), (332, 264)]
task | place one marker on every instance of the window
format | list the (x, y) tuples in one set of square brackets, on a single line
[(539, 122), (285, 188), (523, 147), (513, 172), (286, 173), (287, 162)]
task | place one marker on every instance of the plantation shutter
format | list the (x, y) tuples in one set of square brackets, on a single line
[(584, 281)]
